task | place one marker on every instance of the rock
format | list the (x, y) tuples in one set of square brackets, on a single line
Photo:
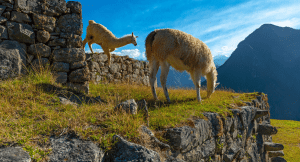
[(68, 148), (2, 20), (75, 41), (43, 36), (69, 55), (60, 66), (124, 151), (57, 42), (14, 154), (216, 122), (261, 113), (278, 159), (56, 8), (12, 59), (39, 63), (65, 101), (172, 159), (28, 6), (253, 153), (2, 9), (182, 138), (79, 75), (76, 65), (20, 17), (29, 58), (74, 6), (79, 87), (232, 152), (270, 146), (114, 68), (3, 32), (94, 66), (61, 77), (44, 22), (39, 50), (70, 23), (208, 148), (6, 15), (154, 140), (20, 32), (266, 129), (275, 153), (128, 106)]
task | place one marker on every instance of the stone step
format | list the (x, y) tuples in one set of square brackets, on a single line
[(270, 146), (266, 129), (278, 159), (260, 113), (275, 153)]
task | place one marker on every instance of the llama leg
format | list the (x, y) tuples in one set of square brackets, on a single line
[(163, 78), (83, 43), (106, 51), (196, 77), (154, 65), (90, 45)]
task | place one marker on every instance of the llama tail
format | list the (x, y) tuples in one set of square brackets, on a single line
[(92, 22), (211, 79), (148, 44)]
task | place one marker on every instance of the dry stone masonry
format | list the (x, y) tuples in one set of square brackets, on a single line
[(36, 33), (122, 69)]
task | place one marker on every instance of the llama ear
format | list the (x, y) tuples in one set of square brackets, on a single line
[(136, 36), (132, 33)]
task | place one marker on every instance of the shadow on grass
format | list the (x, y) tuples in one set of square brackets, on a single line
[(152, 104), (70, 94)]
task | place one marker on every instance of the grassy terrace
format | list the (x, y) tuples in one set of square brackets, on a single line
[(29, 114)]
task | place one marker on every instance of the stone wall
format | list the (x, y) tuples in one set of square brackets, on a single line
[(35, 33), (244, 136), (122, 69)]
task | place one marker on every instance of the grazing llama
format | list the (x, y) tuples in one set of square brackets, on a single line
[(182, 51), (97, 33)]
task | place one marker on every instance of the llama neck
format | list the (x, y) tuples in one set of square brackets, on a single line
[(120, 42), (211, 79)]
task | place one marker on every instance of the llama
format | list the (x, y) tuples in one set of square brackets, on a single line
[(182, 51), (99, 34)]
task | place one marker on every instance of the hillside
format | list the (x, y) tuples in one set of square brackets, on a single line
[(267, 61)]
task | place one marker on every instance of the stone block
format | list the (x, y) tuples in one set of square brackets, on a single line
[(20, 32), (69, 55), (60, 66), (39, 50)]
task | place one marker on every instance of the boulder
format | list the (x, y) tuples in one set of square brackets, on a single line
[(44, 22), (12, 59), (124, 151), (70, 23), (129, 106), (43, 36), (40, 50), (74, 6), (20, 32), (70, 148), (68, 55), (60, 66), (14, 154), (79, 75), (20, 17)]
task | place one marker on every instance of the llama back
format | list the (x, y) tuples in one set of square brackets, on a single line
[(187, 49), (102, 33)]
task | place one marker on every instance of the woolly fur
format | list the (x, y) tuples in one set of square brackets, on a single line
[(99, 34), (182, 51)]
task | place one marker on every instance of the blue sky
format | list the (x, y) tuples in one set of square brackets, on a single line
[(219, 24)]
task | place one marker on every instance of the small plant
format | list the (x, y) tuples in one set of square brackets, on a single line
[(254, 137), (239, 136)]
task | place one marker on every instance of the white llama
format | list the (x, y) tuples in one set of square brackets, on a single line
[(182, 51), (97, 33)]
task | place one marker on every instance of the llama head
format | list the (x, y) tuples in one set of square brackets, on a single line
[(134, 39), (212, 90)]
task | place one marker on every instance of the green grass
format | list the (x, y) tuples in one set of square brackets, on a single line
[(288, 135), (29, 114)]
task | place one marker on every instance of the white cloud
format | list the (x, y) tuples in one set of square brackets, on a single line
[(95, 50), (294, 22), (132, 53)]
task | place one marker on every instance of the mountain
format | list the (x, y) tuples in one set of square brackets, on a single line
[(220, 60), (268, 61)]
